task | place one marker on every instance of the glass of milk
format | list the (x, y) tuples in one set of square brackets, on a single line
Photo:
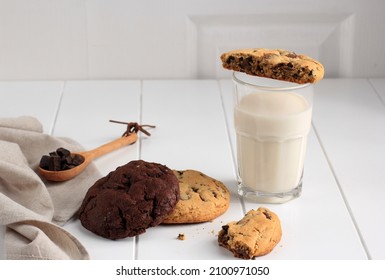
[(272, 120)]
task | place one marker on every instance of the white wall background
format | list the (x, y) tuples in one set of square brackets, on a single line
[(123, 39)]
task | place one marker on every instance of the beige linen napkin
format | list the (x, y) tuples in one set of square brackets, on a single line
[(34, 209)]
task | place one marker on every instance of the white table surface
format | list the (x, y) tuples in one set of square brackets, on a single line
[(338, 216)]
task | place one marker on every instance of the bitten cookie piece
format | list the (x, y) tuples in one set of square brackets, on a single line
[(129, 200), (275, 64), (202, 198), (255, 235)]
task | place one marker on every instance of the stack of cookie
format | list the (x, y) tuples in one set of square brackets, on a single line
[(141, 194)]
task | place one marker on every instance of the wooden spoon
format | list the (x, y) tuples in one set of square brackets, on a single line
[(64, 175)]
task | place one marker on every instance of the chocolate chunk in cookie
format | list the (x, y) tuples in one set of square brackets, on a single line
[(61, 159), (202, 198), (275, 64), (129, 200), (256, 234)]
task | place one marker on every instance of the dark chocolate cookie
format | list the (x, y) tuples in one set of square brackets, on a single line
[(129, 200)]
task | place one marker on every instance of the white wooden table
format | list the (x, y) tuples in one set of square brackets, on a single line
[(339, 215)]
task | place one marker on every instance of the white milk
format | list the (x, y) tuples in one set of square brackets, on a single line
[(272, 131)]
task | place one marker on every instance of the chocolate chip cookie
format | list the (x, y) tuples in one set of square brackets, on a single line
[(202, 198), (256, 234), (129, 200), (275, 64)]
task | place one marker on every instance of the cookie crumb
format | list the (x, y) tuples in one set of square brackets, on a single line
[(181, 236)]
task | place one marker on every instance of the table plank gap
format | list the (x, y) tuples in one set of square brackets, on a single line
[(345, 199), (39, 99), (378, 86), (191, 133), (349, 118), (86, 108), (54, 120)]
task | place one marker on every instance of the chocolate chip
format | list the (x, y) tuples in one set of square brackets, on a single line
[(246, 63), (77, 159), (63, 152), (44, 162), (61, 159), (230, 59), (225, 228), (279, 65), (267, 215), (54, 163)]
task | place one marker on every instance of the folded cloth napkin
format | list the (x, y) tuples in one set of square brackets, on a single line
[(33, 209)]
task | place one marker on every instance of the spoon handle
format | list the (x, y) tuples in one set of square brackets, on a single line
[(111, 146)]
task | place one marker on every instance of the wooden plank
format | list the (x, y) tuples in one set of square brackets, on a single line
[(37, 99), (86, 108), (350, 120), (319, 216), (190, 134)]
